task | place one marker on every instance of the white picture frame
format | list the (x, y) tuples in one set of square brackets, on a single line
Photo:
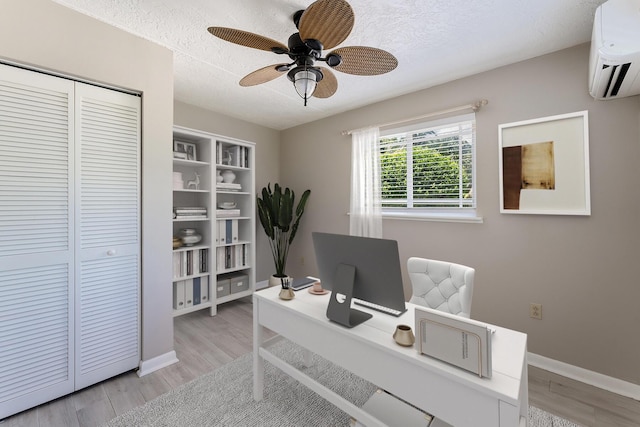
[(544, 166), (184, 150)]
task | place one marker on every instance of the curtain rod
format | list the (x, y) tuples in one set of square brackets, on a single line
[(475, 107)]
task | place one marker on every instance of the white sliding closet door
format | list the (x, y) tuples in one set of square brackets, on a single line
[(107, 233), (36, 239), (69, 236)]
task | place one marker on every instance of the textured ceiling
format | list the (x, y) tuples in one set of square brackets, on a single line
[(435, 41)]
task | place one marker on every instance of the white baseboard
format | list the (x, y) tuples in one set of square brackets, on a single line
[(614, 385), (148, 366)]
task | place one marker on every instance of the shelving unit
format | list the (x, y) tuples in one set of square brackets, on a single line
[(220, 267), (235, 219)]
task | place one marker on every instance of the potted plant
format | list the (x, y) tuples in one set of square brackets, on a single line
[(280, 222)]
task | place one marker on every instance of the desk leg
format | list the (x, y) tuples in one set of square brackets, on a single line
[(258, 363), (524, 391)]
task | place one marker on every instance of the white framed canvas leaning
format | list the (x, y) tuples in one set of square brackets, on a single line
[(544, 165), (184, 150)]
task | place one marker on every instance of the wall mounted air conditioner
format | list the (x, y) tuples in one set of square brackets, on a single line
[(614, 63)]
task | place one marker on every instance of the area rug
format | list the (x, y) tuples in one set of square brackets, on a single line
[(224, 398)]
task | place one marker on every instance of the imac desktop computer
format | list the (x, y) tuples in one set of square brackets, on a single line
[(363, 269)]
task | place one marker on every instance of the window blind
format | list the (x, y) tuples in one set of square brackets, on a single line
[(430, 167)]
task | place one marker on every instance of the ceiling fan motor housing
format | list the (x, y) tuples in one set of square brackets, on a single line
[(308, 49)]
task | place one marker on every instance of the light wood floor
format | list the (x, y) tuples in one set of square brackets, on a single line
[(204, 343)]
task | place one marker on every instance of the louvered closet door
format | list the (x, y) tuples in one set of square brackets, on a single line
[(107, 233), (36, 245)]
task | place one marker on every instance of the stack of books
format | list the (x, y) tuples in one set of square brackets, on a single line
[(227, 213), (187, 212), (229, 186)]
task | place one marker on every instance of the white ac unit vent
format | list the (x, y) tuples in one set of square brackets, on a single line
[(614, 63)]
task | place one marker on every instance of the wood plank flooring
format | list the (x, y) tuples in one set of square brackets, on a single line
[(204, 343)]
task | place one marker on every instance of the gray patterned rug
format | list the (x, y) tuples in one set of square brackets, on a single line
[(224, 398)]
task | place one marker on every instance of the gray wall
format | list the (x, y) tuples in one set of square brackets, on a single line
[(267, 159), (47, 35), (579, 268)]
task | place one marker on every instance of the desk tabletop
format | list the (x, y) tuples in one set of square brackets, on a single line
[(509, 348)]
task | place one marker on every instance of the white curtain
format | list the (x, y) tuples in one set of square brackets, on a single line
[(366, 211)]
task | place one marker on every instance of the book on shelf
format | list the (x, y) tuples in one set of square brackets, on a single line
[(232, 155), (190, 209), (229, 186), (196, 290), (230, 257), (204, 289), (224, 213), (190, 262), (227, 231), (204, 257), (195, 212), (190, 292), (178, 295)]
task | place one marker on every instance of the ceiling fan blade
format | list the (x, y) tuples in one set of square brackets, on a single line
[(245, 38), (263, 75), (328, 21), (327, 86), (365, 61)]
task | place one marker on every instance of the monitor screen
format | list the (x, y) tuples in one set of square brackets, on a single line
[(363, 268)]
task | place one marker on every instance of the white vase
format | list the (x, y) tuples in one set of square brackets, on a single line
[(189, 236), (228, 176), (219, 177)]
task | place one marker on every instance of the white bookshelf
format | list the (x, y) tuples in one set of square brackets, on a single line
[(227, 271)]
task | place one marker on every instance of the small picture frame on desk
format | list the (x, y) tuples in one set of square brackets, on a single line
[(184, 150)]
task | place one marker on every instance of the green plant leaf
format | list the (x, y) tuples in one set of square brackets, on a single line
[(302, 203), (275, 210), (265, 218), (276, 205), (299, 212)]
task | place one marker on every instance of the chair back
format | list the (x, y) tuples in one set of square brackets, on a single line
[(441, 285)]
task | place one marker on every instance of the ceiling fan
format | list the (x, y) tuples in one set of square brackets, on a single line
[(323, 25)]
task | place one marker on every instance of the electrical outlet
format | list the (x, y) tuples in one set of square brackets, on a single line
[(301, 260), (535, 311)]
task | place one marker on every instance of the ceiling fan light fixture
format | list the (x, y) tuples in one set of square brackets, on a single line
[(305, 81), (305, 84)]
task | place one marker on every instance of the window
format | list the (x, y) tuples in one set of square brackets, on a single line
[(428, 169)]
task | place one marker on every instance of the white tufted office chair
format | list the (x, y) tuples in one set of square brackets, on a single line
[(441, 285)]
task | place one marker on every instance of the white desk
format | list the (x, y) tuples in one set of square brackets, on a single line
[(456, 396)]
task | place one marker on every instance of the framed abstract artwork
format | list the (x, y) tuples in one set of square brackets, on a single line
[(544, 165)]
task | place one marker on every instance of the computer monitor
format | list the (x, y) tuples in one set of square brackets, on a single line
[(364, 269)]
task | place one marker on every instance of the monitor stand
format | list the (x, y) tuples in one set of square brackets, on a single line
[(339, 309)]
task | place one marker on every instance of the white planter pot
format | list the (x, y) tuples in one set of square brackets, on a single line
[(274, 281)]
